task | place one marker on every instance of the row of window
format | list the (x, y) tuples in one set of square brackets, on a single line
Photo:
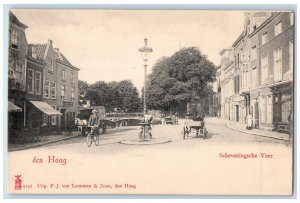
[(52, 120), (34, 86), (277, 29), (50, 66), (251, 79), (50, 91), (277, 58), (34, 82)]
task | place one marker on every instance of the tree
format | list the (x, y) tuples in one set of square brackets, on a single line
[(82, 91), (121, 95), (179, 79)]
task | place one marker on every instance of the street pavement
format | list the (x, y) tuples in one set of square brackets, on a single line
[(191, 166), (218, 133)]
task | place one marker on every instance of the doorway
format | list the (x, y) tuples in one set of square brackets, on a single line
[(237, 116), (256, 114), (63, 119)]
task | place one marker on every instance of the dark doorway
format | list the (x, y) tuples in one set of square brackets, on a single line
[(237, 113), (256, 115), (63, 119)]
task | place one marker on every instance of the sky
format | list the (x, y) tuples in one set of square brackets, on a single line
[(104, 44)]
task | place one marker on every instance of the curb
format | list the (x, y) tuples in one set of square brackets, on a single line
[(149, 142), (248, 132), (41, 144)]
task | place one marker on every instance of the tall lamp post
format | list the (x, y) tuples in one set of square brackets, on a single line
[(145, 52)]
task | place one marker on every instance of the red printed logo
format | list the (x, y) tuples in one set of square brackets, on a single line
[(18, 182)]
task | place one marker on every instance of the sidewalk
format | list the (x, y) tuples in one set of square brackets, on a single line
[(56, 138), (46, 140), (242, 128)]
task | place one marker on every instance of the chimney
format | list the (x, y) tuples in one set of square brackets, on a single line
[(49, 41)]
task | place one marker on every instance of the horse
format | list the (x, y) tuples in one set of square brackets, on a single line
[(81, 126)]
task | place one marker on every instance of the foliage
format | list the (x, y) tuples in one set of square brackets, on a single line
[(179, 79), (114, 96)]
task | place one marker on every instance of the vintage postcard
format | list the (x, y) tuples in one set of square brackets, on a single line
[(182, 102)]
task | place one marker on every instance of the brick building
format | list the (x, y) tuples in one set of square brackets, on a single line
[(274, 75), (263, 72), (34, 89), (17, 61), (42, 84), (60, 85)]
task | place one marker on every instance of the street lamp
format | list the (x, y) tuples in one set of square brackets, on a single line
[(145, 52)]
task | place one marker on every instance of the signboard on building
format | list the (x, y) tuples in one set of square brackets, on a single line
[(239, 98)]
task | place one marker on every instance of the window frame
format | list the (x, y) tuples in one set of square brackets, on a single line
[(48, 89), (39, 92), (32, 83), (50, 67), (53, 118), (277, 75), (291, 18), (63, 92), (72, 77), (51, 95), (264, 40), (73, 93), (276, 31), (253, 53), (264, 70), (14, 36), (63, 74)]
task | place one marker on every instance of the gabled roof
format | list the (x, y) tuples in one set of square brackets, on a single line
[(61, 58), (14, 19), (268, 20), (238, 39), (41, 51)]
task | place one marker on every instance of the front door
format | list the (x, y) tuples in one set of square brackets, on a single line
[(256, 114), (63, 119), (237, 113)]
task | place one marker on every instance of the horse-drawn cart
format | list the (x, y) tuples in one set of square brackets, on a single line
[(196, 126)]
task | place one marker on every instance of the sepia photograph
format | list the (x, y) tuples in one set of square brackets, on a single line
[(150, 102)]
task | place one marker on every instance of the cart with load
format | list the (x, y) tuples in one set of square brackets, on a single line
[(195, 126)]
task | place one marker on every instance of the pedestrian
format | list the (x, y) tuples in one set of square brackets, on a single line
[(249, 122)]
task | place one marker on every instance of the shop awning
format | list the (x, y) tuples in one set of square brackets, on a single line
[(46, 108), (13, 108)]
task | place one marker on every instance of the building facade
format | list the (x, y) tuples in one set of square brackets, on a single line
[(60, 85), (260, 80), (17, 61), (42, 84), (34, 89)]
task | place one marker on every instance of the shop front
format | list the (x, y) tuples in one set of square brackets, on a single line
[(283, 105)]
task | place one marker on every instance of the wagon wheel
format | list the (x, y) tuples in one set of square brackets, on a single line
[(204, 133), (197, 131)]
